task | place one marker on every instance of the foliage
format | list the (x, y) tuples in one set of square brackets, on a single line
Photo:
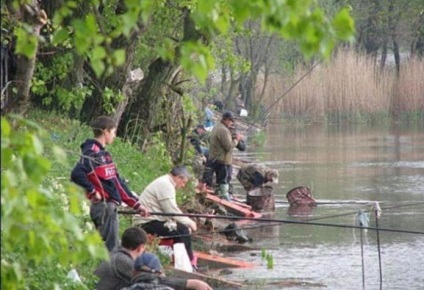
[(268, 258), (60, 209), (36, 226), (258, 139)]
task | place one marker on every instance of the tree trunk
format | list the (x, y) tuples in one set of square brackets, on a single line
[(94, 105), (35, 18), (145, 114)]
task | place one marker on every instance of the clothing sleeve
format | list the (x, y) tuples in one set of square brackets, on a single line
[(174, 282), (170, 206), (122, 268), (226, 141), (79, 174), (195, 141), (127, 196)]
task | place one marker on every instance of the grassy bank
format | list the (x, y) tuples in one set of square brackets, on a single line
[(351, 87), (44, 199)]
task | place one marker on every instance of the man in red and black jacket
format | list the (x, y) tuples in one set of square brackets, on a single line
[(97, 174)]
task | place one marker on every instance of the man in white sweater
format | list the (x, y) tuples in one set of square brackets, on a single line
[(160, 196)]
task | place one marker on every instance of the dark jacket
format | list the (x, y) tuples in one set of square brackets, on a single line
[(195, 140), (145, 280), (117, 272), (96, 172), (251, 177)]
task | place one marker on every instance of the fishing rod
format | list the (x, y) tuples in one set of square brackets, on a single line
[(211, 216), (370, 210), (266, 112)]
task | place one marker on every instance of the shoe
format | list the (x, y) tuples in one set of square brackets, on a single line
[(195, 269)]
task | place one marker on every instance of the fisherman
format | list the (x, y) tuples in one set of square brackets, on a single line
[(97, 174), (198, 139), (222, 143), (160, 196), (254, 176), (148, 274), (116, 273)]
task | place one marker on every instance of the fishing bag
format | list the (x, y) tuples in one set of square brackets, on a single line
[(300, 195)]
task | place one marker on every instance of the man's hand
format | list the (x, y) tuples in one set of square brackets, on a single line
[(239, 137), (143, 211), (197, 285), (97, 197), (192, 226)]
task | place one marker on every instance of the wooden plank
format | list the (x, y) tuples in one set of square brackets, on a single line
[(212, 262), (234, 208), (214, 282)]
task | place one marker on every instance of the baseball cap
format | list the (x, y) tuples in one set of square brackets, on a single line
[(148, 262), (228, 115)]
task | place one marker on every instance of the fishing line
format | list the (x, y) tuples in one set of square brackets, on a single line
[(370, 210), (273, 221), (266, 112)]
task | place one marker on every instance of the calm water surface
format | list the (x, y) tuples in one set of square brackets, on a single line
[(343, 163)]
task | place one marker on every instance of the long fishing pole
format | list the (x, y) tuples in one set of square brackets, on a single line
[(370, 210), (266, 112), (270, 220)]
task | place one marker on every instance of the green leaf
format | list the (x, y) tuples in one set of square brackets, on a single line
[(119, 57), (98, 66), (59, 154), (5, 128), (26, 43), (37, 145), (60, 35), (344, 25), (98, 52)]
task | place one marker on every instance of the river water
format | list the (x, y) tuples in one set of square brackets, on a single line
[(341, 163)]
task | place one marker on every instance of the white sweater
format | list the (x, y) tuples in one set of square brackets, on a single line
[(160, 196)]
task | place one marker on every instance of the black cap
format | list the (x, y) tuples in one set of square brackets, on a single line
[(228, 115), (201, 127)]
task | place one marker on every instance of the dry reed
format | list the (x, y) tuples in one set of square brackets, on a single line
[(350, 86)]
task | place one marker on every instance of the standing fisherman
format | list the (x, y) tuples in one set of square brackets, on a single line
[(222, 143), (97, 174)]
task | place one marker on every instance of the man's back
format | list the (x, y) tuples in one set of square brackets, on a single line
[(115, 273)]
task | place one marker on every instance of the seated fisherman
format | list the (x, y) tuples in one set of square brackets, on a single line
[(198, 140), (148, 274), (117, 271), (160, 195), (254, 176)]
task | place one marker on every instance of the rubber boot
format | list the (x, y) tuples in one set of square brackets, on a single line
[(223, 191)]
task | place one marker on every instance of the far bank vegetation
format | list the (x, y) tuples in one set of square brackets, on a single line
[(350, 87)]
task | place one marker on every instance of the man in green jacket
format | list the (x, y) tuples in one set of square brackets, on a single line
[(222, 143), (254, 176)]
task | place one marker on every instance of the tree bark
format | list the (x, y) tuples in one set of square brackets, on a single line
[(94, 105), (35, 18)]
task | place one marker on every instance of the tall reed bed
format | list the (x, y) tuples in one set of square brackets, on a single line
[(349, 87)]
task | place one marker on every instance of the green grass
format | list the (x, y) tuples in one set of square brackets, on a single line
[(136, 167)]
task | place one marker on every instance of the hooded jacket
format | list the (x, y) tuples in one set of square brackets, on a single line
[(145, 280), (96, 171), (117, 272)]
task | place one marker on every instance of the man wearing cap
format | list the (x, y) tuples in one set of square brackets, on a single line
[(148, 274), (222, 143), (160, 195), (254, 176)]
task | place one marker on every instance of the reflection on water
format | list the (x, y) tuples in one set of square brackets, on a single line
[(344, 163)]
